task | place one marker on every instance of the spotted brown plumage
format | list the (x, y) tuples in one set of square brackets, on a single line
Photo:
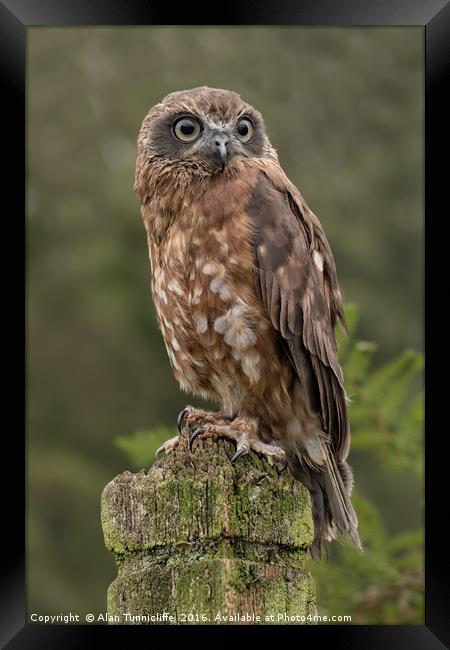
[(246, 293)]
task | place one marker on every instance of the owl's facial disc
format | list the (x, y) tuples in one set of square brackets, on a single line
[(214, 143)]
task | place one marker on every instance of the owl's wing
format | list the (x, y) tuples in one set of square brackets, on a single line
[(296, 278)]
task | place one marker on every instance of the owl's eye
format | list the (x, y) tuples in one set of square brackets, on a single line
[(244, 130), (187, 129)]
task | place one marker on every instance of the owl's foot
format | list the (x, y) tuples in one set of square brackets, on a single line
[(192, 416), (244, 433), (167, 446)]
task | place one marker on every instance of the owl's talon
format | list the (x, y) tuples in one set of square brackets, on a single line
[(195, 435), (240, 451), (167, 447), (159, 451), (180, 419)]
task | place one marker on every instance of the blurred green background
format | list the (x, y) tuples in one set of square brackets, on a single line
[(344, 108)]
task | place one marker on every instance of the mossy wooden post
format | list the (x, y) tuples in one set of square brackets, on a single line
[(199, 540)]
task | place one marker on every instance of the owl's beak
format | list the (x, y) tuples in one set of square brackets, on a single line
[(216, 147), (221, 143)]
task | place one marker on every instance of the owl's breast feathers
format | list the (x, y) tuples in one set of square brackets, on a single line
[(245, 288)]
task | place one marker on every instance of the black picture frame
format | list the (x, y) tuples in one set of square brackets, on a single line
[(16, 16)]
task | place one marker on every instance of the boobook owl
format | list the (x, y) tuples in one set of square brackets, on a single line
[(246, 294)]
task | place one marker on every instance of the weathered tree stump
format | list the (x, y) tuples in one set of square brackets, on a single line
[(199, 540)]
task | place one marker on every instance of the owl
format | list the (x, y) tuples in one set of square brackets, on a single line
[(247, 298)]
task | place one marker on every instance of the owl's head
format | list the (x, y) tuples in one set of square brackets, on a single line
[(202, 131)]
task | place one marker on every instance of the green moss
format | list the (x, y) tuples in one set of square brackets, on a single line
[(183, 585), (202, 496), (197, 536)]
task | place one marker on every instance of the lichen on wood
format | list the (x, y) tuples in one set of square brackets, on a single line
[(206, 541)]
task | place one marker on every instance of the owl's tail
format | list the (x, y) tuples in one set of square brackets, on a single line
[(330, 491)]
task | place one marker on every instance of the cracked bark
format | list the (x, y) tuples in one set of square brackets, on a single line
[(197, 537)]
